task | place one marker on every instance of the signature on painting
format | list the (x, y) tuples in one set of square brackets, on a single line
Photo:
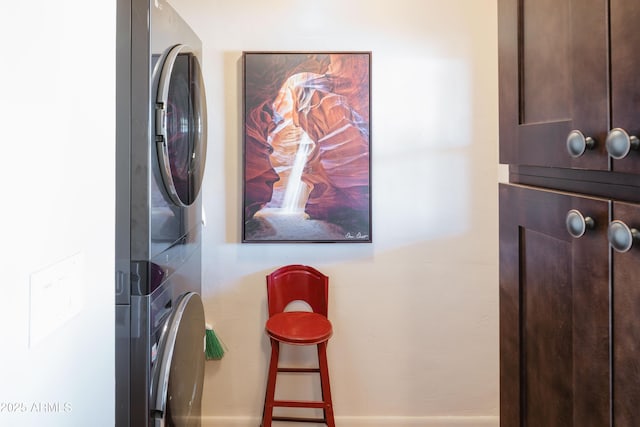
[(357, 236)]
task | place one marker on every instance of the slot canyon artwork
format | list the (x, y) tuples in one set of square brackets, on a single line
[(307, 146)]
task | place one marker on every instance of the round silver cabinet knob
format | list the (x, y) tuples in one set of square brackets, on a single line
[(577, 143), (577, 224), (620, 143), (621, 237)]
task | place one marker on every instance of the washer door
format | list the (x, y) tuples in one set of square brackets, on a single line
[(181, 131), (178, 374)]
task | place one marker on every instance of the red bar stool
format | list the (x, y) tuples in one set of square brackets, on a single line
[(285, 285)]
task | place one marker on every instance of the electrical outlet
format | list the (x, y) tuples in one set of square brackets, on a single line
[(56, 296)]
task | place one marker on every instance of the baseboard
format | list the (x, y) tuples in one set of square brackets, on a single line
[(441, 421), (482, 421)]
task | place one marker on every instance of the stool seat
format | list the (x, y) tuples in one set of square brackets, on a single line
[(299, 327)]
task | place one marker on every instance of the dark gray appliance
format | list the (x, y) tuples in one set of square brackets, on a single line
[(161, 148)]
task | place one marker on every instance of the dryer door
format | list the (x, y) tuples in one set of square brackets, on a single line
[(181, 130), (178, 374)]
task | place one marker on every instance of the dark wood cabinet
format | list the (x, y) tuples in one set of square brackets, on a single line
[(625, 84), (626, 323), (569, 310), (569, 66), (553, 79), (569, 304), (554, 310)]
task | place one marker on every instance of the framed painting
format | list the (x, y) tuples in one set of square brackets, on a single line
[(306, 147)]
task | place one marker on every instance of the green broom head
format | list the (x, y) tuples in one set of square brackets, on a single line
[(213, 348)]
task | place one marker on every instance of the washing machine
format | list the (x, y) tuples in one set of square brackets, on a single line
[(160, 160)]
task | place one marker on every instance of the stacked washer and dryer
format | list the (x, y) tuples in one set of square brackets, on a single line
[(161, 149)]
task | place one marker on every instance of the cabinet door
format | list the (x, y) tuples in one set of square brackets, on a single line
[(554, 311), (625, 84), (626, 323), (553, 80)]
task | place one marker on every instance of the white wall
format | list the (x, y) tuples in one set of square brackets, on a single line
[(57, 115), (415, 313)]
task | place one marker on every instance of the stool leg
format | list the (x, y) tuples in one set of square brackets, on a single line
[(267, 413), (324, 381)]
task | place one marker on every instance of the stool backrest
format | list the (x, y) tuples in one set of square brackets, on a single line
[(297, 283)]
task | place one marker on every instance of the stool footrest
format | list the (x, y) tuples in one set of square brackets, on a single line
[(300, 404), (300, 420), (303, 370)]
